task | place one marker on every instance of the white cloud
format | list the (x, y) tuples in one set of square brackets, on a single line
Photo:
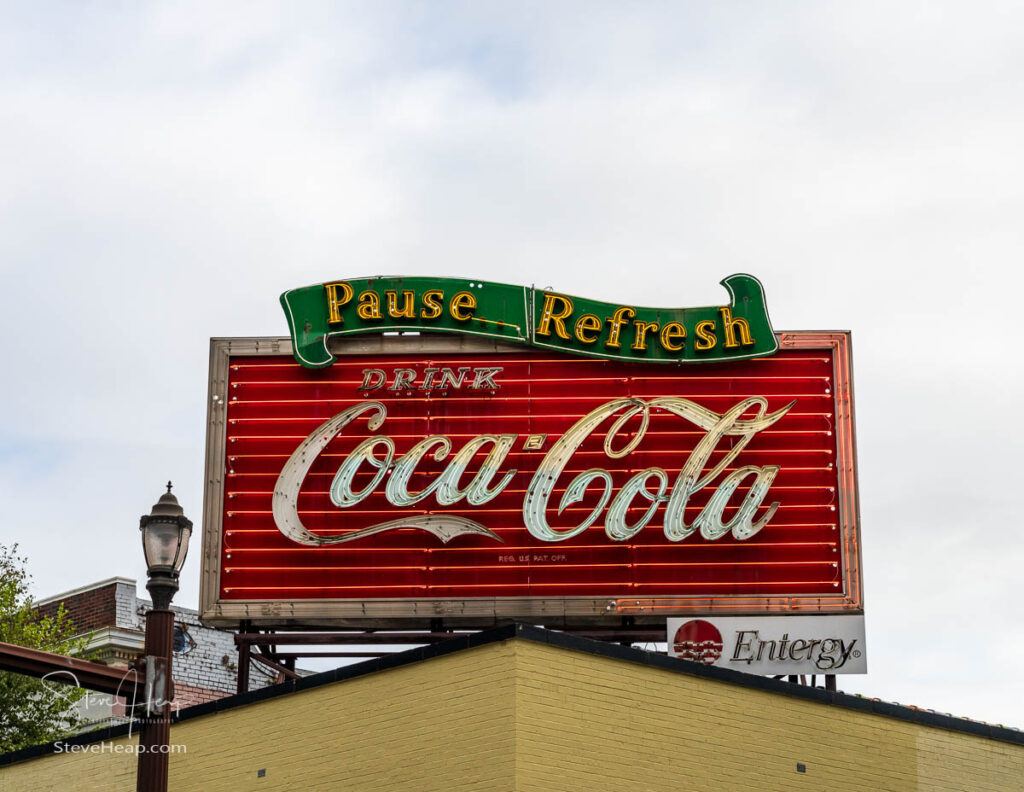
[(168, 170)]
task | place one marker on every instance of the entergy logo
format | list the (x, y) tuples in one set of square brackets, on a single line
[(699, 641)]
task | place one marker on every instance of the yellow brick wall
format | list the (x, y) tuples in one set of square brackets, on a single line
[(444, 724), (72, 772), (524, 716), (591, 723)]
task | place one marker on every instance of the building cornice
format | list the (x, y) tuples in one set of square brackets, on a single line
[(115, 645), (82, 589)]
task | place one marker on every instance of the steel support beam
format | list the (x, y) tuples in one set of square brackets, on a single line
[(267, 661), (400, 638), (70, 670)]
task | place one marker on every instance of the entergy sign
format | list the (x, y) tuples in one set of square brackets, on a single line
[(772, 644)]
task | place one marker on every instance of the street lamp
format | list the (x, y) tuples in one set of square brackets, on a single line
[(165, 534)]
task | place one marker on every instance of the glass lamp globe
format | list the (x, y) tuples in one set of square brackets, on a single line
[(165, 535)]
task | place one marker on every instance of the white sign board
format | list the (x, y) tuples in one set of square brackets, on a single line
[(772, 644)]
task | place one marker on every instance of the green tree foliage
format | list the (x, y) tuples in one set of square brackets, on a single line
[(32, 711)]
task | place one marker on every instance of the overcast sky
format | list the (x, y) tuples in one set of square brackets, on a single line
[(167, 170)]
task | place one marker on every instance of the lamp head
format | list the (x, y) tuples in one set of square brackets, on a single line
[(165, 535)]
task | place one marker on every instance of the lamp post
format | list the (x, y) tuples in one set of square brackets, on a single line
[(165, 534)]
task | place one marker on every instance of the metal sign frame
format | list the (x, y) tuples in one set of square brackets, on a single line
[(410, 613)]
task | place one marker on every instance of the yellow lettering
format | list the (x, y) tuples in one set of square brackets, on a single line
[(462, 300), (408, 309), (549, 315), (642, 328), (617, 320), (587, 323), (730, 325), (369, 305), (432, 300), (669, 333), (334, 303), (705, 335)]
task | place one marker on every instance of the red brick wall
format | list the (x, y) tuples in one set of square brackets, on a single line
[(187, 695), (89, 610), (184, 696)]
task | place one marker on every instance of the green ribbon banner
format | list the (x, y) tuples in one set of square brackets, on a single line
[(535, 317)]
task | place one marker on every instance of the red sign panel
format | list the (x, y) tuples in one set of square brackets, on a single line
[(488, 485)]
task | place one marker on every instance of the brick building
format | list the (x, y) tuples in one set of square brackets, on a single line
[(111, 613), (521, 708)]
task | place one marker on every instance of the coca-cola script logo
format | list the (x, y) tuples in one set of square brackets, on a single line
[(699, 641), (377, 455)]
